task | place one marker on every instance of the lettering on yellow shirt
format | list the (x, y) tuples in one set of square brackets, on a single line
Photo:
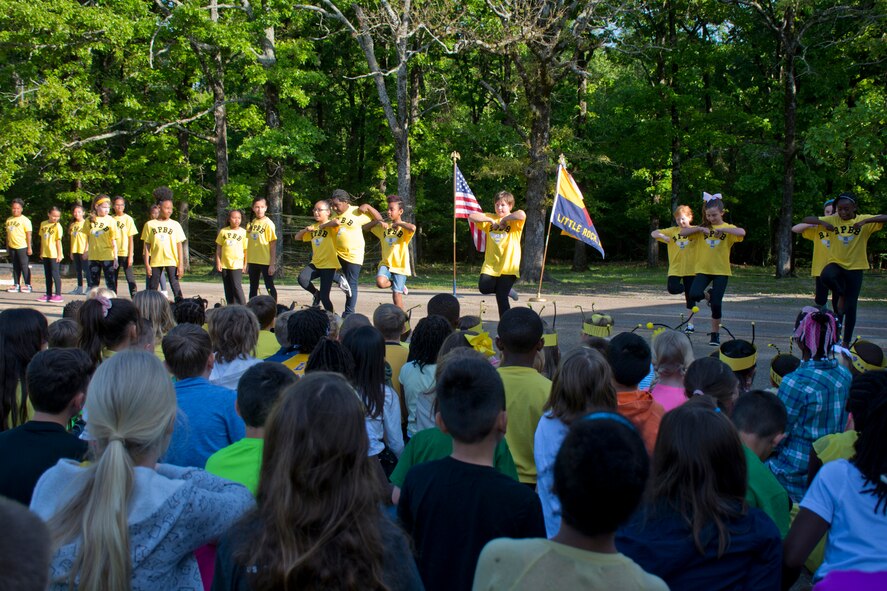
[(503, 252), (713, 250), (78, 239), (101, 234), (126, 227), (260, 234), (395, 243), (234, 244), (681, 252), (50, 240), (323, 246), (17, 229), (822, 241), (350, 244), (849, 245), (162, 238)]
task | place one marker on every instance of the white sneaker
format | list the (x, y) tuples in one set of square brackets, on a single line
[(165, 293), (343, 285), (26, 289), (14, 289), (76, 291)]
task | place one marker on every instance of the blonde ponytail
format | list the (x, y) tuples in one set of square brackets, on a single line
[(130, 417)]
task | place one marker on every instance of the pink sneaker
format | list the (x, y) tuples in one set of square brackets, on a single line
[(43, 298), (56, 299)]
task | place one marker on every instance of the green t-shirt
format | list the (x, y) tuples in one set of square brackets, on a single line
[(239, 462), (433, 444), (765, 492)]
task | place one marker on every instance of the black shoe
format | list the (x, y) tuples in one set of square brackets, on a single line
[(715, 340), (316, 301)]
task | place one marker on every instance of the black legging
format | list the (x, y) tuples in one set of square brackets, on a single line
[(77, 259), (171, 274), (53, 277), (99, 268), (351, 272), (123, 263), (844, 283), (309, 274), (682, 285), (718, 287), (500, 286), (232, 281), (820, 294), (256, 270), (20, 269)]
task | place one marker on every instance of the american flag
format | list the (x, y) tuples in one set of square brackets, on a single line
[(466, 204)]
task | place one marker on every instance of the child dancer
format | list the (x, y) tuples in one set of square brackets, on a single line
[(153, 214), (101, 244), (78, 247), (261, 249), (502, 258), (843, 274), (52, 254), (395, 237), (713, 260), (231, 257), (163, 240), (324, 260), (126, 229), (681, 258), (822, 240), (18, 242)]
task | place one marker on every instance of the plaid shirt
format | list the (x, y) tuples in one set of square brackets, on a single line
[(815, 396)]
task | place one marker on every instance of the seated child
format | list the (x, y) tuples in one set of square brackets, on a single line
[(417, 377), (280, 333), (526, 390), (304, 330), (781, 365), (234, 331), (57, 381), (760, 417), (63, 334), (452, 507), (24, 549), (351, 322), (600, 475), (446, 305), (866, 356), (331, 355), (742, 357), (154, 307), (391, 321), (672, 355), (190, 311), (259, 388), (265, 309), (207, 420), (630, 356), (712, 377)]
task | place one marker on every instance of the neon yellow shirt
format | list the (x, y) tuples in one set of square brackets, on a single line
[(260, 234), (849, 244), (822, 240), (526, 392), (162, 238), (233, 242), (681, 252), (323, 246), (503, 248), (50, 240), (713, 252), (126, 227), (16, 231), (101, 233), (395, 248), (78, 239), (350, 244)]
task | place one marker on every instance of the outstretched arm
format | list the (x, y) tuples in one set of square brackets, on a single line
[(799, 228), (480, 218), (370, 210), (657, 235), (875, 219), (518, 215)]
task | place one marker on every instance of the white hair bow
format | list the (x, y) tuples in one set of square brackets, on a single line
[(706, 197)]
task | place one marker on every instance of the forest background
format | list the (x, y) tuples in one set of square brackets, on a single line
[(776, 104)]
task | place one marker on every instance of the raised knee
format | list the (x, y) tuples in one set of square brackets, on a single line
[(382, 282)]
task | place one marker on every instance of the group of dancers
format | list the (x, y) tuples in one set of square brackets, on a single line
[(699, 256)]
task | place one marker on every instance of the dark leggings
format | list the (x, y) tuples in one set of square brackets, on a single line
[(820, 295), (351, 272), (500, 286), (844, 283), (309, 274), (682, 285), (718, 287), (53, 277), (77, 259), (232, 281), (20, 269), (171, 274), (123, 263), (255, 270), (97, 269)]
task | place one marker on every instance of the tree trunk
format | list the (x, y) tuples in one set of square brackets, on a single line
[(580, 249), (673, 109), (184, 207), (274, 167), (537, 182), (790, 105), (653, 244)]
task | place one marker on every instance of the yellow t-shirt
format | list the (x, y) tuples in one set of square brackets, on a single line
[(396, 355), (323, 246), (681, 252), (162, 238), (50, 240), (822, 240), (849, 244), (713, 252), (78, 239), (16, 231), (233, 243), (350, 244), (395, 248), (126, 227), (267, 344), (101, 234), (503, 248), (526, 392), (297, 363), (260, 234)]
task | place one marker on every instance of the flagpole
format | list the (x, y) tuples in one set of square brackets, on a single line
[(539, 298), (455, 156)]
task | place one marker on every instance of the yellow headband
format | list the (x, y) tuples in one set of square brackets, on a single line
[(550, 339), (860, 364), (593, 330), (775, 377), (102, 200), (406, 327), (739, 363)]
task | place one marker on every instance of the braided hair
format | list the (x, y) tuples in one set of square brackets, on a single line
[(190, 311), (430, 334), (306, 328), (871, 447), (331, 355), (816, 330)]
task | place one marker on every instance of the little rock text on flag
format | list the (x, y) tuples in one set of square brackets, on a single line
[(569, 213)]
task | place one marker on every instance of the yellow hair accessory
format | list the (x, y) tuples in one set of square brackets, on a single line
[(658, 332), (550, 339), (102, 200), (861, 365), (482, 343), (593, 330), (739, 363), (478, 329), (649, 326), (406, 327)]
